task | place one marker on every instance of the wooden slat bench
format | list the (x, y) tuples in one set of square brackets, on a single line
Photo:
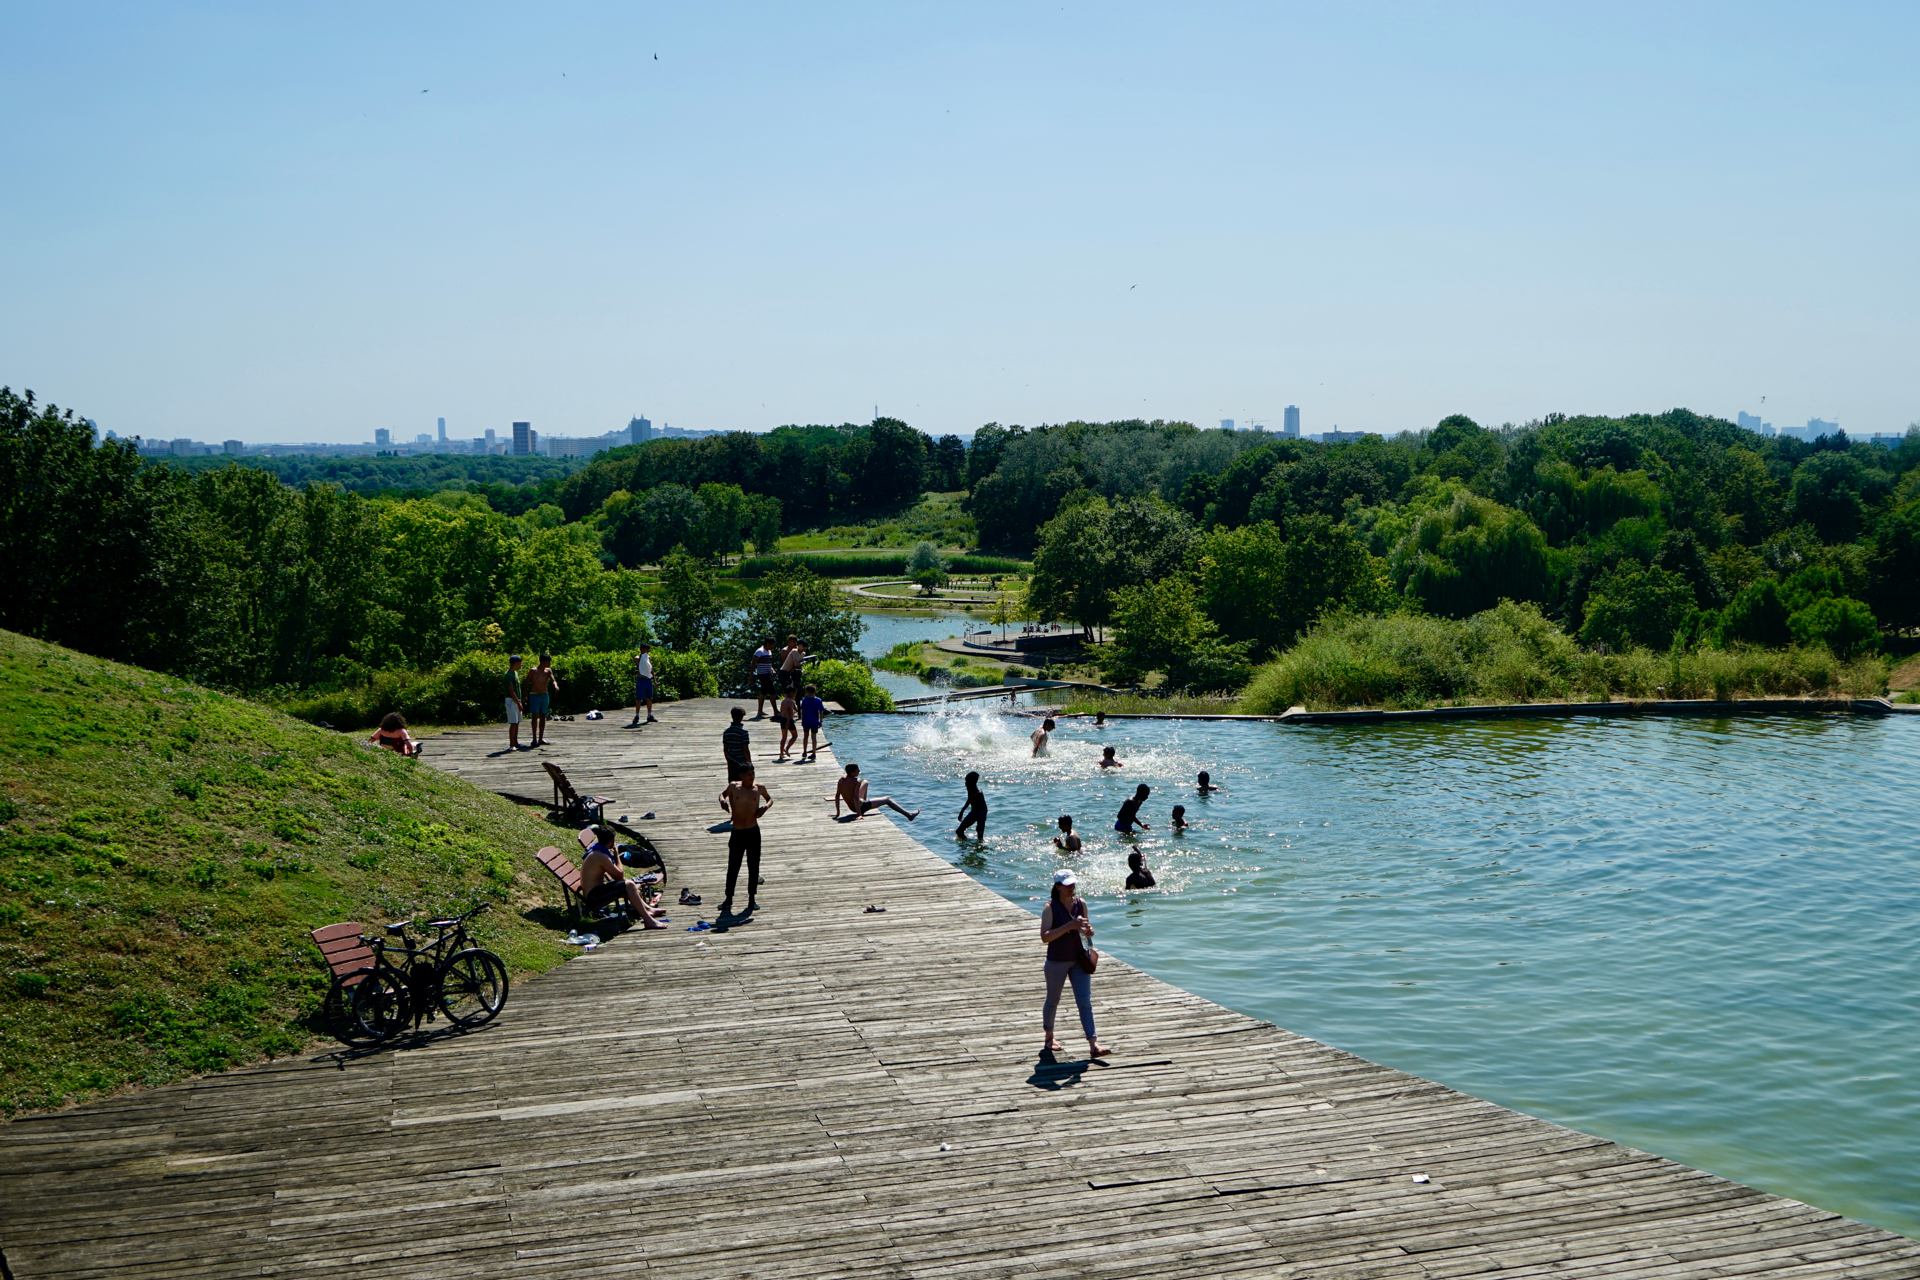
[(345, 950), (569, 802)]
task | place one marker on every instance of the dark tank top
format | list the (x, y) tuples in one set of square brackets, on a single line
[(1067, 945)]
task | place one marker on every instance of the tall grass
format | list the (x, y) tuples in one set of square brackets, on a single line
[(1513, 653)]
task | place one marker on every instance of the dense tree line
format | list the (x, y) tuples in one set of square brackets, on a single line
[(509, 484), (817, 474), (1210, 550)]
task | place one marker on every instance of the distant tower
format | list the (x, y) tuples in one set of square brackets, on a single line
[(1226, 424), (443, 431), (522, 438), (1290, 422), (639, 430), (382, 438)]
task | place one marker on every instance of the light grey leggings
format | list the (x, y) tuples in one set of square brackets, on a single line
[(1059, 971)]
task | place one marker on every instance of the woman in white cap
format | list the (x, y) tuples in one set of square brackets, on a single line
[(1065, 929)]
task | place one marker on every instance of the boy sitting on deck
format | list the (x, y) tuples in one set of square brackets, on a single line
[(602, 881)]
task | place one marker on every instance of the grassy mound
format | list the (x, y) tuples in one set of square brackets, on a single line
[(164, 850)]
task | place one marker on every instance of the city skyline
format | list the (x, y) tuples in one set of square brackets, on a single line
[(270, 225)]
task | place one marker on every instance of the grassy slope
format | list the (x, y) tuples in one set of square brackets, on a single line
[(165, 849)]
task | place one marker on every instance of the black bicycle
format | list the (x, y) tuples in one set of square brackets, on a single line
[(466, 982)]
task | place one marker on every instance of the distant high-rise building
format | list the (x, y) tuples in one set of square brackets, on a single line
[(1290, 422), (382, 437), (1817, 427), (1226, 424), (232, 446), (423, 438), (522, 438), (639, 430), (181, 448), (1751, 422), (443, 429)]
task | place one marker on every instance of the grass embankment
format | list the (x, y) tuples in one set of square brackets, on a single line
[(164, 850), (1512, 653), (938, 518), (931, 662)]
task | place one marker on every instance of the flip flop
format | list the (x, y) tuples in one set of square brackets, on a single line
[(701, 927), (875, 911)]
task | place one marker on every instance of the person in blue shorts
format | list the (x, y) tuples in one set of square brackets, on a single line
[(1128, 819), (813, 713), (542, 684)]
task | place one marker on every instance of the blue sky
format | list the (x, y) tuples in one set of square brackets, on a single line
[(250, 221)]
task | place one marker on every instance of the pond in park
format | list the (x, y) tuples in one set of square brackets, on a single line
[(1696, 936)]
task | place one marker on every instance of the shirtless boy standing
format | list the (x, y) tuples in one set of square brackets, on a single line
[(852, 792), (745, 802), (1040, 737)]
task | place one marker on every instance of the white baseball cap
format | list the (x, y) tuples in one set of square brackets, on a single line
[(1063, 876)]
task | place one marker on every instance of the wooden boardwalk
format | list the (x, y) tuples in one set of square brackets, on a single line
[(828, 1092)]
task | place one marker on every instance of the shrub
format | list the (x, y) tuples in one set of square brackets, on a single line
[(850, 684)]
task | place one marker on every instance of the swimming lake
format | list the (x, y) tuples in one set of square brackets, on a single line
[(1696, 936)]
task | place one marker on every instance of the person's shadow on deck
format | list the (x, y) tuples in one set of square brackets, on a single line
[(1053, 1075)]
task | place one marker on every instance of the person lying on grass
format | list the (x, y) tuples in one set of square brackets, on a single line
[(392, 734), (602, 881)]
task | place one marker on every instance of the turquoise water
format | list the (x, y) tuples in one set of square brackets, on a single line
[(885, 630), (1693, 936)]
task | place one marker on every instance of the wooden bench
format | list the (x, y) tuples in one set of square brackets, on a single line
[(346, 952), (563, 870), (571, 804)]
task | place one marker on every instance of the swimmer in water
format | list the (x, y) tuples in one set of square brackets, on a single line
[(1138, 877), (1107, 760), (1068, 841), (1179, 818), (1206, 786), (1040, 737), (1127, 821), (974, 812)]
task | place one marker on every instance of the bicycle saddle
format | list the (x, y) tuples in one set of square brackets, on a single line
[(441, 924), (398, 928)]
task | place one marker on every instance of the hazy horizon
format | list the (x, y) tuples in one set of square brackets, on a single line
[(284, 226)]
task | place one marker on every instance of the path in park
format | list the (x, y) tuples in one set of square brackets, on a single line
[(829, 1092)]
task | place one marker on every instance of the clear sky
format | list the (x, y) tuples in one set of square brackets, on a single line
[(286, 222)]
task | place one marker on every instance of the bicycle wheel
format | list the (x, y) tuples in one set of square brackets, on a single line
[(338, 1015), (474, 988), (381, 1006)]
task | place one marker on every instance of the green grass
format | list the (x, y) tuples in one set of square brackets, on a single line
[(1087, 702), (960, 671), (873, 564), (936, 518), (164, 850)]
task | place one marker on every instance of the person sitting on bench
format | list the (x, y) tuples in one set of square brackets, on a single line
[(602, 881)]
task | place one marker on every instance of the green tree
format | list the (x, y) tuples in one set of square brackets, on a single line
[(1158, 626), (554, 584), (1636, 604), (790, 601), (1894, 567), (1844, 625), (687, 609), (1755, 615), (1091, 549), (1463, 553), (1266, 588), (927, 568)]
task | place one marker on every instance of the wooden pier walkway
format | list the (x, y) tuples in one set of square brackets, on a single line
[(828, 1092)]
